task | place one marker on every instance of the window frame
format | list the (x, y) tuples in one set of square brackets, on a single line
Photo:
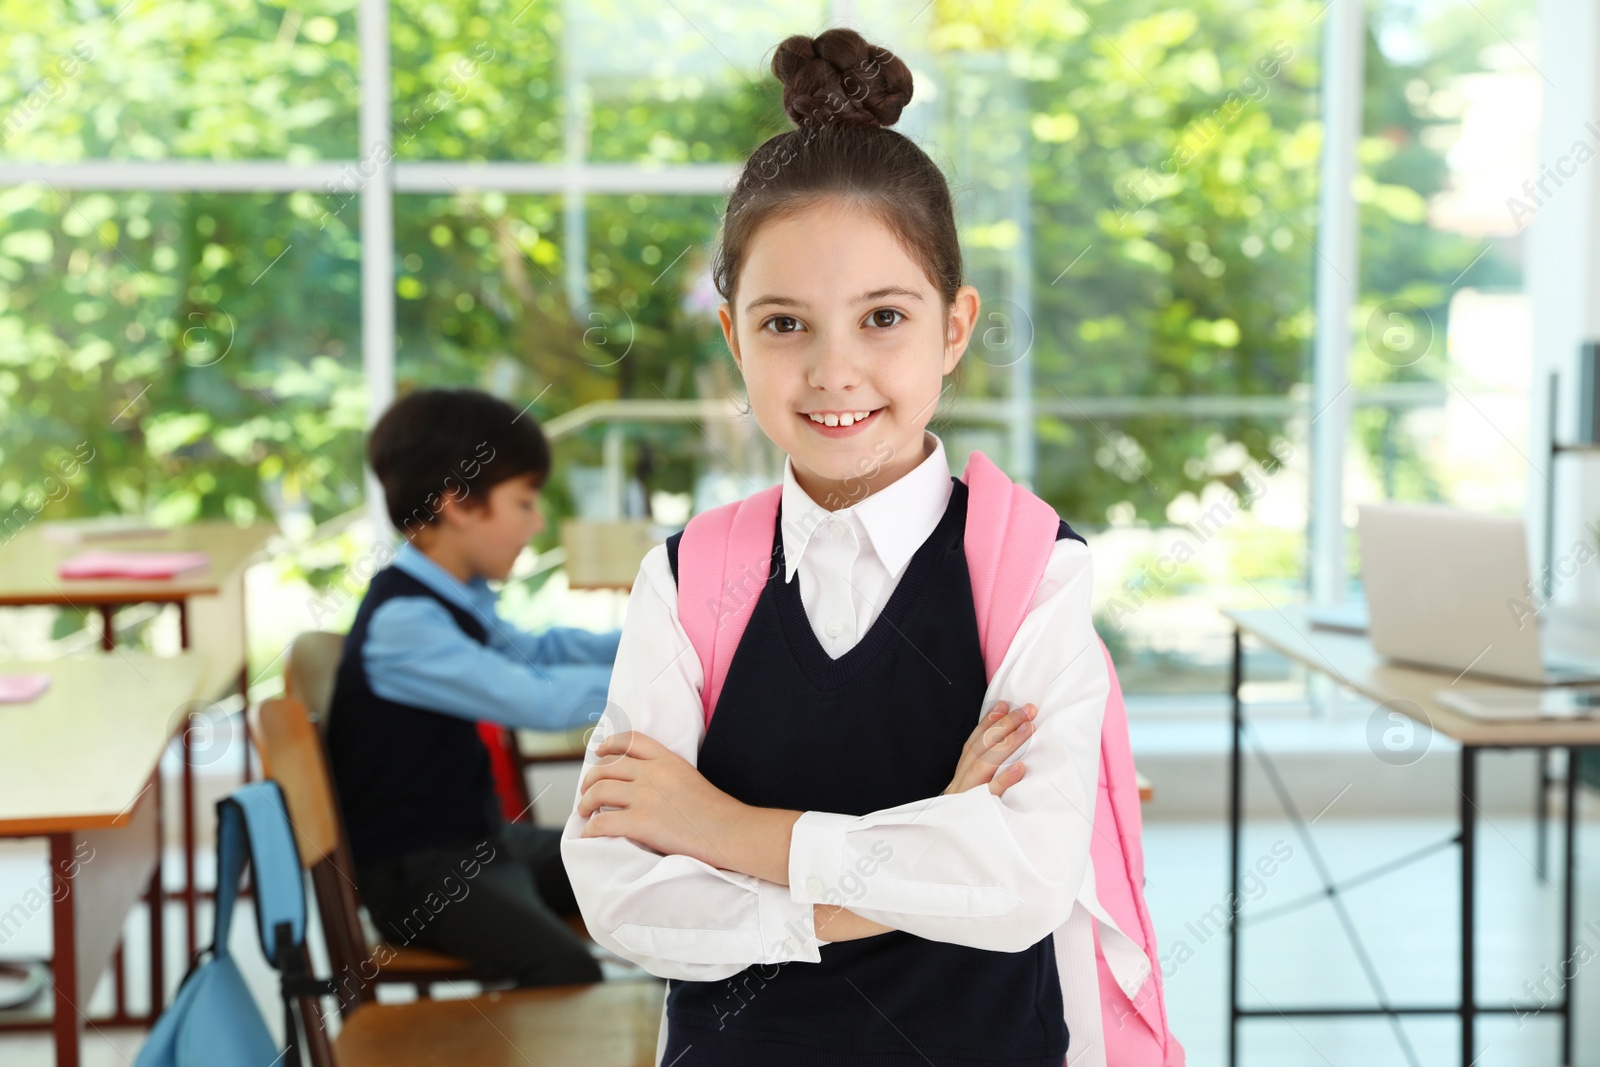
[(1333, 295)]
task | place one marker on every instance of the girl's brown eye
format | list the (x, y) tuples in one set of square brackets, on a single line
[(877, 321), (781, 318)]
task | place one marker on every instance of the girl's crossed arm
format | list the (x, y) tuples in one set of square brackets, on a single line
[(704, 896), (660, 800), (973, 868), (968, 867)]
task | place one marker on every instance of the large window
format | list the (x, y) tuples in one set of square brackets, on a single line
[(208, 213), (1450, 137), (141, 80), (204, 346)]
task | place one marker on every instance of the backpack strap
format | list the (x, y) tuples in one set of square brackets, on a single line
[(1010, 535), (253, 822), (233, 848), (1117, 850), (724, 558)]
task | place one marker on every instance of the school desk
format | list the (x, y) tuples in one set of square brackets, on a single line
[(1349, 660), (80, 766), (211, 617)]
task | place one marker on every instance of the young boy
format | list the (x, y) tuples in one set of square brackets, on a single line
[(426, 659)]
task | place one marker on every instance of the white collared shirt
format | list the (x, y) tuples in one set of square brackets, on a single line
[(971, 868), (854, 556)]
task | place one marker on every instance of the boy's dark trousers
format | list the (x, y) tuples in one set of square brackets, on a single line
[(496, 902)]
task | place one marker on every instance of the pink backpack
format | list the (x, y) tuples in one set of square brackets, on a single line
[(724, 559)]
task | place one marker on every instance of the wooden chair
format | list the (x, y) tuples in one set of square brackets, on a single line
[(292, 754), (1147, 789), (308, 674), (603, 1024)]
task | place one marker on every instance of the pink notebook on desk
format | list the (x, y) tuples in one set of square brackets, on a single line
[(103, 563), (21, 688)]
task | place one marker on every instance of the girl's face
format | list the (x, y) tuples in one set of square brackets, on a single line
[(832, 317)]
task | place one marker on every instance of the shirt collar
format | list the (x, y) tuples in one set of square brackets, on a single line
[(896, 519), (471, 595)]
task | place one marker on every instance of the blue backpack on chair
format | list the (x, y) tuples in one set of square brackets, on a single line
[(214, 1020)]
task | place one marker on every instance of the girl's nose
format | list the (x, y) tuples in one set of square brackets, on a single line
[(834, 368)]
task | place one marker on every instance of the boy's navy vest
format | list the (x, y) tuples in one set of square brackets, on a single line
[(882, 725), (407, 777)]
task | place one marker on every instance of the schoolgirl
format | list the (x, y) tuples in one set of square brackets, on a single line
[(850, 862)]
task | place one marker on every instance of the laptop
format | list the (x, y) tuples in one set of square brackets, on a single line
[(1448, 589), (1520, 703)]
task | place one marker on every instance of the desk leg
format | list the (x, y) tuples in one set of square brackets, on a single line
[(64, 952), (158, 903), (1569, 914), (244, 683), (190, 896), (1469, 809), (244, 724), (1541, 818), (119, 984), (1235, 821)]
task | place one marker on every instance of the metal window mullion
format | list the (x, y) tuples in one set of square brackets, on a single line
[(184, 176), (692, 179), (377, 228), (1336, 274), (275, 176)]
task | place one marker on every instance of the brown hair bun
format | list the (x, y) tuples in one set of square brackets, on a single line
[(838, 77)]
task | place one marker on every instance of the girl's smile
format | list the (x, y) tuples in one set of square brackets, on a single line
[(843, 342), (841, 423)]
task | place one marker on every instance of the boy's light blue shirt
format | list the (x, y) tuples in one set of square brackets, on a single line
[(416, 654)]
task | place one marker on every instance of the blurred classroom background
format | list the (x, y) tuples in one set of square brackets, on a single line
[(1245, 265)]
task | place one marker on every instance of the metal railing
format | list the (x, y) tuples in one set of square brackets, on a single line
[(615, 415)]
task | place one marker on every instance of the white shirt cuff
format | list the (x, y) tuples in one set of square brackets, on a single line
[(788, 928), (816, 856)]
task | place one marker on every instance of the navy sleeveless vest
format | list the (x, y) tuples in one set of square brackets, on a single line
[(407, 777), (880, 726)]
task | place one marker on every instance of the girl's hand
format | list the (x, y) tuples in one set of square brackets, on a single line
[(1000, 733), (661, 801), (834, 922)]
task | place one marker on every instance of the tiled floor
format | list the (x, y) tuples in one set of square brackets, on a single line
[(1407, 920)]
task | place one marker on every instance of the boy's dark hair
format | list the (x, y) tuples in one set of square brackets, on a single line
[(437, 444)]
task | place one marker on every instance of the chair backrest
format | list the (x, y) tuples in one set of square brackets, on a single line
[(309, 673), (292, 754)]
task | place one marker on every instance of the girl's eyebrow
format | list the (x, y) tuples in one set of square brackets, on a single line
[(876, 294)]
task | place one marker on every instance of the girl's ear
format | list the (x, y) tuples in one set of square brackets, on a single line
[(729, 334), (958, 331)]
